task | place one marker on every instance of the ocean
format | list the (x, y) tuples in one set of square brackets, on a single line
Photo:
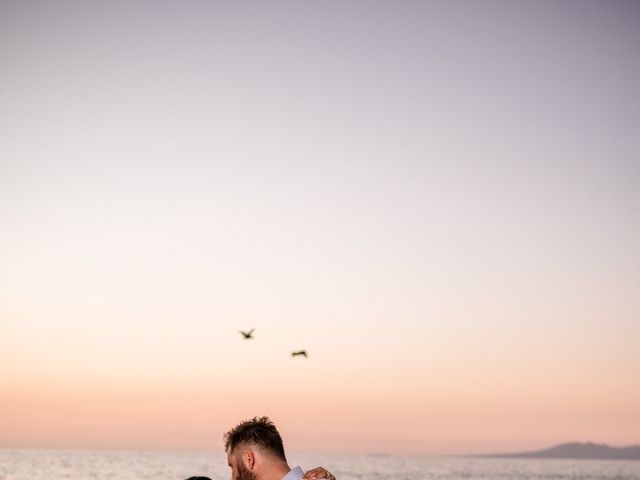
[(140, 465)]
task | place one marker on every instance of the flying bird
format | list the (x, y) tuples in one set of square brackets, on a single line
[(301, 353), (247, 335)]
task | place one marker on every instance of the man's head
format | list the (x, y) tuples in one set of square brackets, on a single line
[(254, 450)]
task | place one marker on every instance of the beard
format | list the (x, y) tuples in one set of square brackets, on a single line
[(244, 473)]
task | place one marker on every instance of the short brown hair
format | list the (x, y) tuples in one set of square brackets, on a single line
[(258, 432)]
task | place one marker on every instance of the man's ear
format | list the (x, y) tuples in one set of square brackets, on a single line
[(249, 459)]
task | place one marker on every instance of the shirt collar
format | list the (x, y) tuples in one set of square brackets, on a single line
[(294, 474)]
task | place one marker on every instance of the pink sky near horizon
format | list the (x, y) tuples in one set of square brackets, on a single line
[(437, 201)]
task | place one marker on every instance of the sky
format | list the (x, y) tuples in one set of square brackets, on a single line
[(437, 200)]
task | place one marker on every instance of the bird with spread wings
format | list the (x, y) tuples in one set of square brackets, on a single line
[(247, 335)]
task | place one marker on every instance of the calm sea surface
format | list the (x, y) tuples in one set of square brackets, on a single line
[(102, 465)]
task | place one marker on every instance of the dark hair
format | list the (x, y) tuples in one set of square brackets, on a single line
[(259, 432), (198, 478)]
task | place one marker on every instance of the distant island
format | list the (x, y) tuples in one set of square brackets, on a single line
[(579, 450)]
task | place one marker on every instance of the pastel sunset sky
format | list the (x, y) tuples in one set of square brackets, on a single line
[(439, 201)]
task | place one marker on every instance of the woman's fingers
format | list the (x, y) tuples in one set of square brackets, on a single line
[(317, 473)]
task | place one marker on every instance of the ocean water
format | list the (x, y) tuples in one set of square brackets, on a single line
[(131, 465)]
